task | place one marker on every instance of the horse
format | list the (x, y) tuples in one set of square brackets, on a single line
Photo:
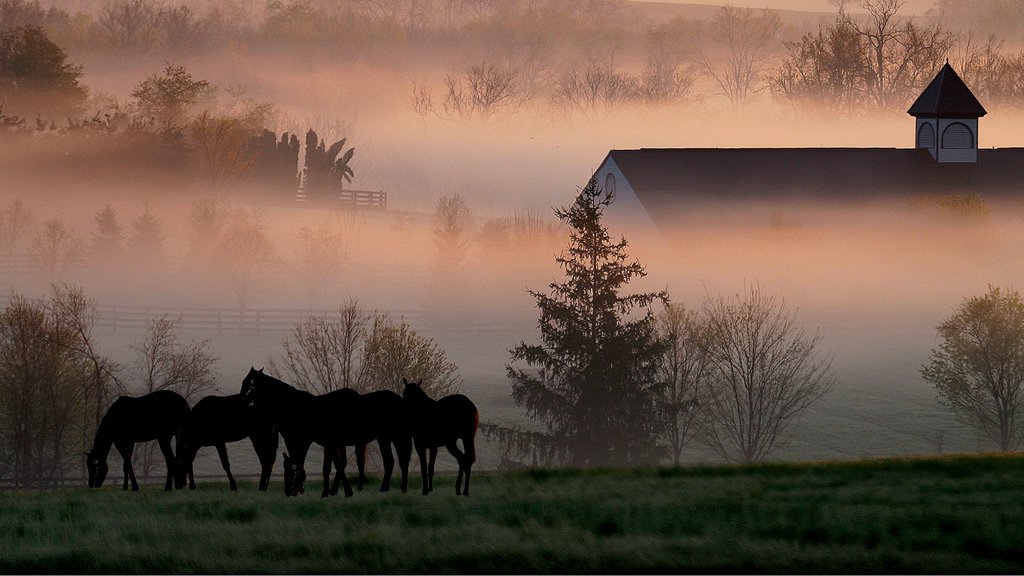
[(334, 420), (217, 420), (442, 422), (158, 415)]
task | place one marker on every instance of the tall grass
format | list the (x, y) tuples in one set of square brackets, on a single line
[(956, 514)]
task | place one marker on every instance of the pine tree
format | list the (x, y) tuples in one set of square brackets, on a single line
[(108, 241), (599, 359)]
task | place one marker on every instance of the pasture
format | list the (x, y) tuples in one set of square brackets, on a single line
[(957, 514)]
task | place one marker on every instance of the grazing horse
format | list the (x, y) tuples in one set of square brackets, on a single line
[(159, 415), (333, 420), (442, 422), (217, 420)]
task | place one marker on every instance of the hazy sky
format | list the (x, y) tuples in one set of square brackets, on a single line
[(913, 6)]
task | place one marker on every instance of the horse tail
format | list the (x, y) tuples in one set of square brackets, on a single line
[(471, 440)]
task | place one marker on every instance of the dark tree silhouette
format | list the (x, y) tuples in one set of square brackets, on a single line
[(598, 360), (276, 162), (325, 171), (35, 77)]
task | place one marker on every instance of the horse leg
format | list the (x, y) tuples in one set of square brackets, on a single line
[(453, 447), (329, 456), (126, 449), (338, 454), (388, 458), (421, 452), (360, 452), (433, 459), (222, 451), (404, 450), (340, 461), (266, 451), (165, 447)]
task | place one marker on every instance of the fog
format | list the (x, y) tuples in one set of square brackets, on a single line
[(874, 279)]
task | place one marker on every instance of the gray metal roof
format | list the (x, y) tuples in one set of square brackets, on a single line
[(947, 97), (672, 179)]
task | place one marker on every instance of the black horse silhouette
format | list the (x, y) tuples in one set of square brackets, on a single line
[(217, 420), (442, 422), (334, 420), (156, 416)]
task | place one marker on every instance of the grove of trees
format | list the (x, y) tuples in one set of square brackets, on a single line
[(614, 383)]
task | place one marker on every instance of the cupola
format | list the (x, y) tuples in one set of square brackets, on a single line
[(947, 115)]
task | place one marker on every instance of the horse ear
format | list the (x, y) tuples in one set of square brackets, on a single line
[(260, 370), (404, 381), (420, 383)]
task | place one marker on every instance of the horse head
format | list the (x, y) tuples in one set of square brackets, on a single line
[(414, 390), (250, 385), (97, 470), (294, 477)]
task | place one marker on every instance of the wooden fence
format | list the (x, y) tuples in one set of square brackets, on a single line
[(374, 200)]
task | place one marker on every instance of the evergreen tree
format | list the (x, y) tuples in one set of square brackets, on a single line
[(598, 361), (108, 241), (35, 77)]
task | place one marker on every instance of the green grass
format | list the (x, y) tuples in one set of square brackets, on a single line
[(949, 515)]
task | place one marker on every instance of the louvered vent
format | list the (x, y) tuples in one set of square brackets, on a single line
[(957, 137), (926, 136)]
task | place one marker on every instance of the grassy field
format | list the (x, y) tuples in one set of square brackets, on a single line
[(951, 515)]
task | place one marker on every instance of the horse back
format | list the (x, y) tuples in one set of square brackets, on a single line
[(220, 419), (155, 415)]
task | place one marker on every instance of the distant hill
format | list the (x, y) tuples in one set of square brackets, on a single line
[(665, 11)]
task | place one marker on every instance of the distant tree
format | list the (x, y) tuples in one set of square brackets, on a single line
[(146, 242), (876, 60), (764, 371), (168, 98), (206, 223), (245, 253), (35, 78), (826, 69), (15, 223), (276, 163), (452, 232), (482, 90), (322, 250), (129, 25), (325, 171), (52, 383), (221, 150), (747, 39), (21, 13), (668, 74), (322, 354), (682, 374), (56, 250), (978, 368), (393, 351), (595, 373), (108, 240), (164, 362), (348, 350)]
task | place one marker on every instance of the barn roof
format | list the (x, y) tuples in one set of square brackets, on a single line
[(671, 179), (948, 97)]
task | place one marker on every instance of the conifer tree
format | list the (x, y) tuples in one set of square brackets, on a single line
[(600, 351)]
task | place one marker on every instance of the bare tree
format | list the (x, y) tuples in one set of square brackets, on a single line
[(246, 254), (129, 25), (326, 353), (164, 362), (900, 56), (394, 351), (146, 243), (15, 222), (764, 371), (682, 374), (221, 149), (482, 90), (748, 39), (323, 250), (56, 250), (323, 352), (978, 369), (452, 228), (53, 384)]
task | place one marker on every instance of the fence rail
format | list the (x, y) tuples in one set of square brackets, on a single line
[(371, 199)]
